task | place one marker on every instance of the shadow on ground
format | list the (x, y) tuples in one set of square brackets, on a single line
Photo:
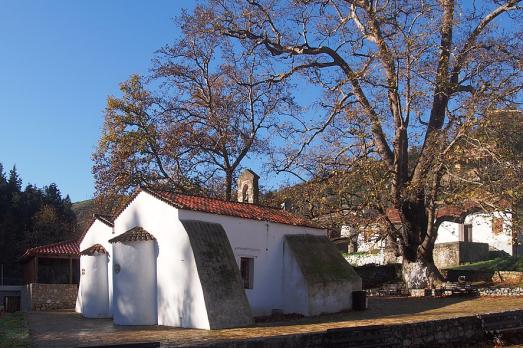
[(68, 329), (381, 307)]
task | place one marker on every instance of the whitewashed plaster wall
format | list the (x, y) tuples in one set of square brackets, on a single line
[(93, 287), (365, 243), (295, 292), (482, 231), (449, 232), (262, 241), (179, 294), (98, 233), (180, 299), (134, 284)]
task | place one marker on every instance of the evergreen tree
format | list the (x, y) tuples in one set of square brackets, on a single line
[(30, 218)]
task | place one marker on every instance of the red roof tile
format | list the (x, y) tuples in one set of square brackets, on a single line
[(106, 219), (447, 211), (236, 209), (393, 215), (135, 234), (66, 248), (95, 249)]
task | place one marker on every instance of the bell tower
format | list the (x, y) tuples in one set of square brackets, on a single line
[(248, 190)]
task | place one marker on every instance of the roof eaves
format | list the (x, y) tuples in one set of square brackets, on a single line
[(106, 219), (135, 234), (96, 248), (124, 206), (31, 252), (163, 198)]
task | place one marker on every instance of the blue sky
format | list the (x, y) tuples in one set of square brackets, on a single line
[(59, 61)]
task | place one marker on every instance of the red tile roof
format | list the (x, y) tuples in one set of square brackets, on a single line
[(106, 219), (65, 248), (135, 234), (95, 249), (236, 209), (447, 211), (393, 215)]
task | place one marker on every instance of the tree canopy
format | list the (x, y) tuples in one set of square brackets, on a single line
[(408, 94), (191, 123), (396, 75)]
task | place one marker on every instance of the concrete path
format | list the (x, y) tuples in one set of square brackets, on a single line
[(68, 329)]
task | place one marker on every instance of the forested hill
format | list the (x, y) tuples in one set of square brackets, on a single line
[(29, 217), (84, 213)]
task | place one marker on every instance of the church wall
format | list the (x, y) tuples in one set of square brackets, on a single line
[(448, 232), (482, 231), (98, 233), (262, 241), (93, 288), (295, 291), (179, 294), (134, 282)]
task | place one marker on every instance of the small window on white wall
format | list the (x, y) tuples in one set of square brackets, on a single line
[(247, 271), (467, 233)]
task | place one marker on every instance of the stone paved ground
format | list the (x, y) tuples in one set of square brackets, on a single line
[(68, 329)]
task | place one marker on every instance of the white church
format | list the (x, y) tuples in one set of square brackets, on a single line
[(197, 262)]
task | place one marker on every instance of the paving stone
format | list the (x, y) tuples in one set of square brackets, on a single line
[(69, 329)]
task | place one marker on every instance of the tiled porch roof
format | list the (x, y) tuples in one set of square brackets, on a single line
[(65, 248)]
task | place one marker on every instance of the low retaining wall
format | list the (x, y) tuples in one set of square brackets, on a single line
[(434, 333), (14, 290), (44, 297), (456, 253), (361, 259), (500, 292), (507, 277), (453, 275), (374, 276)]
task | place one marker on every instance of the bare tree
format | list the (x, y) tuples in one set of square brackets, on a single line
[(396, 75), (204, 110)]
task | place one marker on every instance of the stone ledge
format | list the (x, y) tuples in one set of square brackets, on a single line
[(501, 291), (435, 333), (44, 297)]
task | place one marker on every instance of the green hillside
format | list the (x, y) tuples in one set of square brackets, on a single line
[(497, 264), (84, 212)]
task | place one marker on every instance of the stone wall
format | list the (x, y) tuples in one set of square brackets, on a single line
[(473, 252), (457, 253), (436, 333), (44, 297), (507, 277), (500, 291), (361, 259), (373, 276)]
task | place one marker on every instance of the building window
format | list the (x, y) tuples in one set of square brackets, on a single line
[(467, 233), (247, 271), (497, 225)]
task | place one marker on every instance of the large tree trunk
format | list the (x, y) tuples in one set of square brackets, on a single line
[(419, 235), (420, 274)]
